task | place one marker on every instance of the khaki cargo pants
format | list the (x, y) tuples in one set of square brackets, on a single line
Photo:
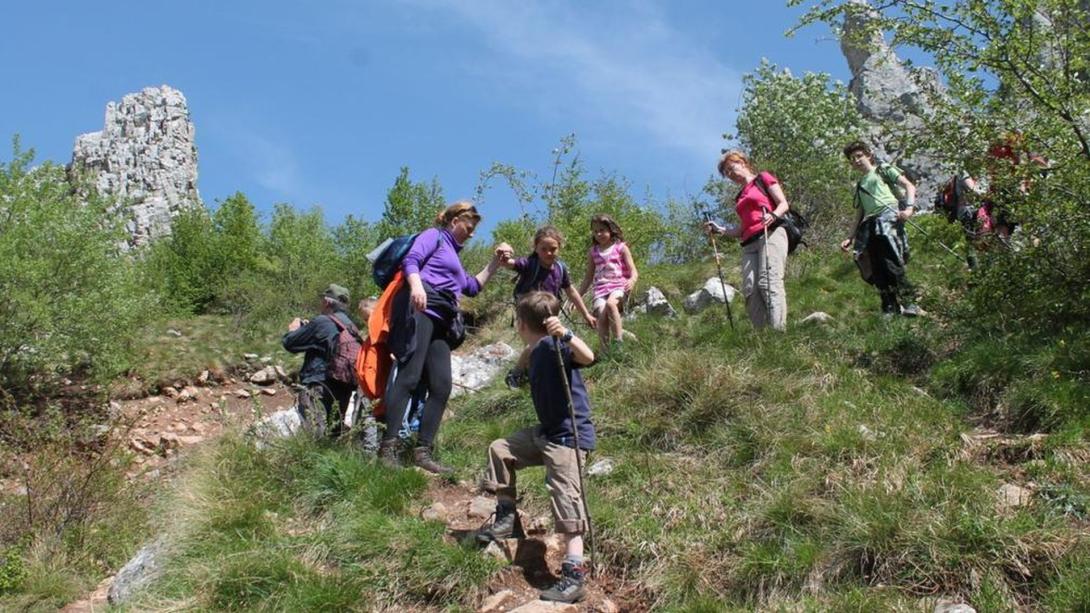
[(529, 448), (762, 282)]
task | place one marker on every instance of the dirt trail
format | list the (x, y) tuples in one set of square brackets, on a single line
[(164, 427), (534, 561)]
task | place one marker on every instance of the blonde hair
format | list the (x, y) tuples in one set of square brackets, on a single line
[(534, 308), (462, 209), (733, 156)]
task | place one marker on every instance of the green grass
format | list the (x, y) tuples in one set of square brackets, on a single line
[(820, 469), (306, 526)]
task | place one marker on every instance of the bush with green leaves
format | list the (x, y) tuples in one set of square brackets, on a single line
[(70, 301)]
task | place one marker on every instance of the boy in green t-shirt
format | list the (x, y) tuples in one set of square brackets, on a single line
[(880, 244)]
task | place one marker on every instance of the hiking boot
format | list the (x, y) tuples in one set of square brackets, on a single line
[(422, 458), (516, 378), (503, 526), (889, 303), (911, 311), (389, 453), (569, 588)]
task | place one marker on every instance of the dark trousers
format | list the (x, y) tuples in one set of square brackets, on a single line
[(321, 401), (888, 275), (430, 362)]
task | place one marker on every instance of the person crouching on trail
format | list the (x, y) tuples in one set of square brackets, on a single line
[(760, 205), (878, 242), (543, 271), (318, 338), (552, 442)]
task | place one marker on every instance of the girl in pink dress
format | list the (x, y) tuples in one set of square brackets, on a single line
[(613, 272)]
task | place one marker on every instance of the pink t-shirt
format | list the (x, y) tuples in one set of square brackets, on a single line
[(752, 202), (610, 272)]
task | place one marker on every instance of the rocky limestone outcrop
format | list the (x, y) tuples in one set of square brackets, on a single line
[(891, 97), (145, 157)]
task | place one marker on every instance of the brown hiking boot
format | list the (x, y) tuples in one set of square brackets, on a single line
[(389, 452), (422, 458)]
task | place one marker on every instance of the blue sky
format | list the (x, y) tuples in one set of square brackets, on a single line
[(321, 103)]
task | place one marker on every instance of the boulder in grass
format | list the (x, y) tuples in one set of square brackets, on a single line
[(713, 292)]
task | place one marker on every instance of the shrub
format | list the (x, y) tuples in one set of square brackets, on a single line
[(70, 302)]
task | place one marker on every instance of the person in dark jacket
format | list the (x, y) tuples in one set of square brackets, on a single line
[(318, 338)]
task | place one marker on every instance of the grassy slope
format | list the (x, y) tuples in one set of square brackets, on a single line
[(823, 468)]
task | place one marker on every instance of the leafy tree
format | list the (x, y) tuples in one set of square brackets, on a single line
[(69, 300), (411, 206), (1015, 72), (303, 255), (353, 240), (795, 127)]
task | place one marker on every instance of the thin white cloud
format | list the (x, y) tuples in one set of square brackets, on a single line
[(268, 162), (630, 68)]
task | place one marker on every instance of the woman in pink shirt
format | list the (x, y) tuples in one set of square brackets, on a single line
[(760, 206)]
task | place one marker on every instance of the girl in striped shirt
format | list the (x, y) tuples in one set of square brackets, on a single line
[(613, 272)]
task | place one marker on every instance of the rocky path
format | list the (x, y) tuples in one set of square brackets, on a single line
[(534, 561)]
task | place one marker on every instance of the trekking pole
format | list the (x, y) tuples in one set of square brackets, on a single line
[(927, 234), (578, 458), (719, 270), (768, 281)]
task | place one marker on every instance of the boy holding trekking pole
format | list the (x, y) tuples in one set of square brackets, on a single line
[(560, 442)]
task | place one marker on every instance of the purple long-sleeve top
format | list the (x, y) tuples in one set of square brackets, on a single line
[(438, 251)]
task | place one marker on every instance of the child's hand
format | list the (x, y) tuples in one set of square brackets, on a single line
[(591, 321), (846, 245), (629, 285), (710, 227), (295, 324), (554, 327)]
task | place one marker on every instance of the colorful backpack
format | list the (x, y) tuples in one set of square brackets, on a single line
[(342, 365)]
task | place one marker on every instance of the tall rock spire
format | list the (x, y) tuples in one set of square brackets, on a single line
[(146, 158)]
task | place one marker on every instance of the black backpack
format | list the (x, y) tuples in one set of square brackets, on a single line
[(792, 222)]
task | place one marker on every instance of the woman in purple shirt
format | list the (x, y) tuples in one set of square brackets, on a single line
[(421, 333)]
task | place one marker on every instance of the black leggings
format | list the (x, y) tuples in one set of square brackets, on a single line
[(430, 360)]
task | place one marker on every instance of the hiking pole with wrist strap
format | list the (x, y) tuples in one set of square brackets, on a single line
[(719, 270), (578, 457)]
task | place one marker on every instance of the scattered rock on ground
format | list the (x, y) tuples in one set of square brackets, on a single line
[(280, 424), (249, 356), (496, 602), (203, 377), (712, 292), (601, 468), (947, 606), (476, 370), (653, 301), (268, 391), (817, 317), (436, 512), (265, 376), (608, 606), (481, 507), (242, 394), (1012, 496), (138, 571)]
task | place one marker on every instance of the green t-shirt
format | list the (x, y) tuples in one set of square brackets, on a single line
[(873, 192)]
